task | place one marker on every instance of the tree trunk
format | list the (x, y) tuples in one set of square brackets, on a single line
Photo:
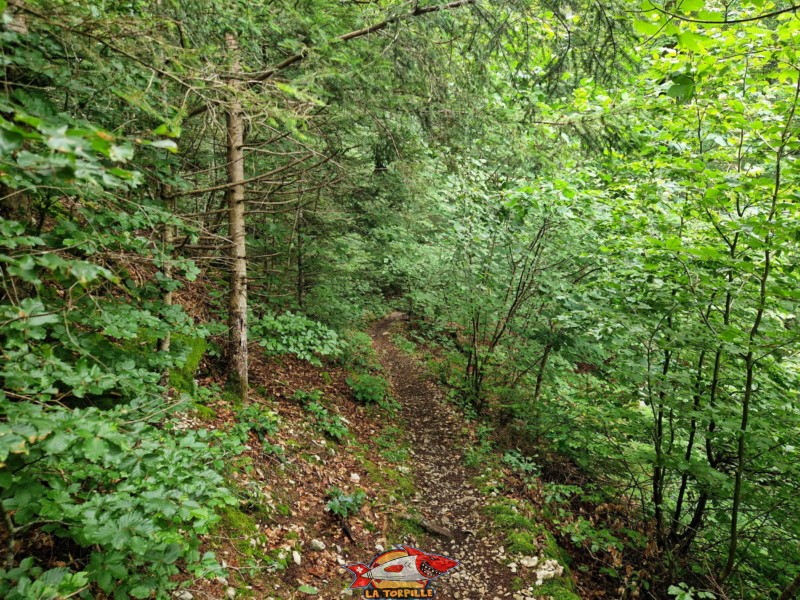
[(167, 238), (791, 591), (237, 304), (537, 392), (676, 516), (301, 276), (659, 471)]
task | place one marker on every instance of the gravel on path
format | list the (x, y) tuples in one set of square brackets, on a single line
[(446, 496)]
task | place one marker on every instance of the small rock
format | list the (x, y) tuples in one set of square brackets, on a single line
[(548, 570), (355, 477), (317, 545), (296, 557), (184, 595), (379, 547), (529, 561), (230, 593)]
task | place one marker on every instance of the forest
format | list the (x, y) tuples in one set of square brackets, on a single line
[(284, 283)]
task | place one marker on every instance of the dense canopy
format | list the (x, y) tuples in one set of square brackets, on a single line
[(588, 211)]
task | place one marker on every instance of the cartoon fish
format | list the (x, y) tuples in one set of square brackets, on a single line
[(403, 564)]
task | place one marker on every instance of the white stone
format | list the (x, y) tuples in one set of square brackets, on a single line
[(529, 561), (296, 557), (549, 569), (317, 545)]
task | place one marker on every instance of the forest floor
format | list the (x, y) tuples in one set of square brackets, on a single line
[(282, 543)]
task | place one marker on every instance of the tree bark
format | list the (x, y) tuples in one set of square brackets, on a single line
[(167, 238), (237, 302), (674, 534), (301, 275), (791, 591)]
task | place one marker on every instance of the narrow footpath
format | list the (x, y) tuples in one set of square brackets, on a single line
[(446, 496)]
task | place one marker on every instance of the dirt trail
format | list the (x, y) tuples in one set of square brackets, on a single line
[(446, 496)]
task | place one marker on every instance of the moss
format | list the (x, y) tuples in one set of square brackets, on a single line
[(403, 528), (292, 444), (392, 481), (240, 528), (521, 542), (194, 348), (525, 537), (391, 447), (556, 589), (204, 412)]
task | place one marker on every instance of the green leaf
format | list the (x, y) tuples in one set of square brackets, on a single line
[(10, 140), (308, 589), (692, 41), (682, 89), (167, 144), (687, 6), (120, 152)]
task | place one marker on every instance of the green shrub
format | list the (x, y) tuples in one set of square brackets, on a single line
[(524, 465), (330, 424), (480, 453), (345, 505), (261, 421), (133, 496), (368, 389), (358, 354), (292, 333), (258, 419), (304, 397)]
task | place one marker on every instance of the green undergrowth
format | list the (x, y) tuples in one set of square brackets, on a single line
[(405, 344), (525, 536), (519, 521), (325, 421), (243, 532), (396, 485)]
